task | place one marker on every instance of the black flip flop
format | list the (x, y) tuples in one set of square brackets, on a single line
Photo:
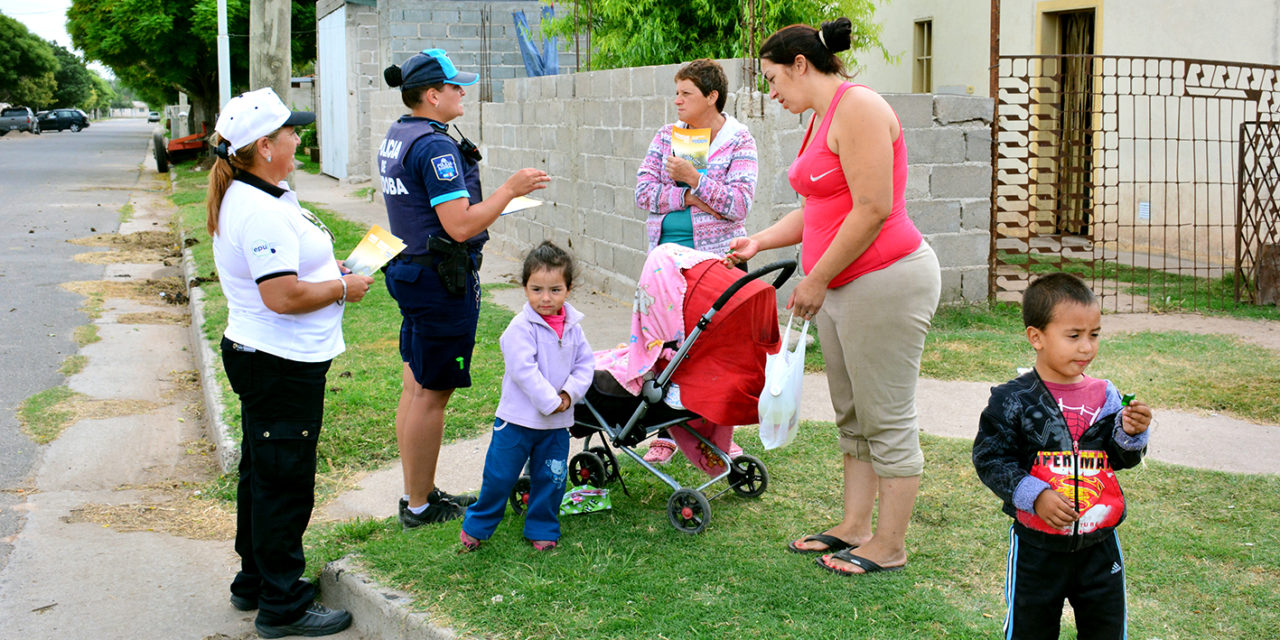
[(846, 555), (833, 543)]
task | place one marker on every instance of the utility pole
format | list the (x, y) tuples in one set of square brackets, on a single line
[(270, 62), (224, 57)]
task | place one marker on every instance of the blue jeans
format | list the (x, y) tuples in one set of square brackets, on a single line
[(547, 452)]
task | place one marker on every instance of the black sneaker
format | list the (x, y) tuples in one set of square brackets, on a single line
[(464, 500), (436, 512), (319, 620), (242, 603)]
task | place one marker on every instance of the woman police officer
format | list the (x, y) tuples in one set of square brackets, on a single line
[(285, 294), (431, 186)]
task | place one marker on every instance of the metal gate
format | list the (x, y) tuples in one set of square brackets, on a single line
[(331, 49), (1258, 235), (1128, 172)]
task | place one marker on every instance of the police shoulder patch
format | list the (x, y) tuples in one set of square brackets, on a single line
[(444, 167)]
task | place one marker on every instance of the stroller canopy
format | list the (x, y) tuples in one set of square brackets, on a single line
[(723, 374)]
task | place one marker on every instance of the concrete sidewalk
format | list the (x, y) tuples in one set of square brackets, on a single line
[(946, 408)]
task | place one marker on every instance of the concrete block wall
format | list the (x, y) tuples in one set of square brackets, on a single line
[(590, 131), (949, 184)]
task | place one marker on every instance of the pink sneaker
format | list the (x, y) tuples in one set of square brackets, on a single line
[(734, 450), (660, 451)]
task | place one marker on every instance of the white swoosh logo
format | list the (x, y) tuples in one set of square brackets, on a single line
[(821, 176)]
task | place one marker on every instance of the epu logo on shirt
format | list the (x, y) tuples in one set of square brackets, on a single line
[(261, 248), (444, 167)]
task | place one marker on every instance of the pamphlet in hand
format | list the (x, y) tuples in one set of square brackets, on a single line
[(693, 145), (520, 203), (375, 250)]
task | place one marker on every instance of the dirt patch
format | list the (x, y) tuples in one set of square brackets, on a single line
[(128, 256), (143, 247), (155, 317), (157, 240), (171, 509), (1264, 333), (85, 408), (163, 290)]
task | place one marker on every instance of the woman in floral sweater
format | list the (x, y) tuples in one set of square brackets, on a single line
[(700, 209), (695, 209)]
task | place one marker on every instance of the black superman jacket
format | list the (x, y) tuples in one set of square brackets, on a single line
[(1023, 437)]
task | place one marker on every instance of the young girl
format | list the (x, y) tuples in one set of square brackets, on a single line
[(548, 368)]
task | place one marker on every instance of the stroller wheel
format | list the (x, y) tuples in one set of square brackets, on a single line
[(748, 477), (520, 495), (610, 463), (688, 511), (587, 468)]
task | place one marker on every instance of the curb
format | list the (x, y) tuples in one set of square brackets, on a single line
[(227, 448), (376, 610)]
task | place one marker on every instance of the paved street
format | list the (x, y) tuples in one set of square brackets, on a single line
[(53, 187)]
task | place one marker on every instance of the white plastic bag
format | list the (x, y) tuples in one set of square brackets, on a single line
[(780, 399)]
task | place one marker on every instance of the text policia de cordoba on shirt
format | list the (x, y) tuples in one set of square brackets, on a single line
[(391, 149)]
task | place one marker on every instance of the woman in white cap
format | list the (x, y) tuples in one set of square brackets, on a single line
[(431, 185), (285, 294)]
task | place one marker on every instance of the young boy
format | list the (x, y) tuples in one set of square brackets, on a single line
[(1048, 445)]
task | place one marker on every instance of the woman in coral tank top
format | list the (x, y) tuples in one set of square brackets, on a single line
[(871, 287)]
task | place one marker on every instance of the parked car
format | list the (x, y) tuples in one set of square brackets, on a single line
[(18, 119), (154, 116), (59, 119)]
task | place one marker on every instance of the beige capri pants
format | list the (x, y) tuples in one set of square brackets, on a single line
[(872, 332)]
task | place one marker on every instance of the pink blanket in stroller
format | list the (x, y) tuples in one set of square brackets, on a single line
[(657, 316)]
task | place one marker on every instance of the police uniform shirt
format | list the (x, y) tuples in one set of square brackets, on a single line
[(421, 168), (263, 233)]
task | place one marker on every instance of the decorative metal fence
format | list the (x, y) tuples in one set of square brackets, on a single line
[(1132, 172)]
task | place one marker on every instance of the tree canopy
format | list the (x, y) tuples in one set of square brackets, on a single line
[(632, 33), (75, 86), (27, 65), (161, 47)]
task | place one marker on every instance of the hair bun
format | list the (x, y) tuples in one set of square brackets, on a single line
[(837, 35), (392, 75)]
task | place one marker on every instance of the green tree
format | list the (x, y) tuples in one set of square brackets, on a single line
[(27, 65), (161, 47), (101, 96), (634, 33), (75, 82)]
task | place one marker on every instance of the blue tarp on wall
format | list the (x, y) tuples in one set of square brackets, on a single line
[(536, 63)]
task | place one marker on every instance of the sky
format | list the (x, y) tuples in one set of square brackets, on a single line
[(47, 19)]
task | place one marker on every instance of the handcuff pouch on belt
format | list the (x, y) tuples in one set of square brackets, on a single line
[(452, 261)]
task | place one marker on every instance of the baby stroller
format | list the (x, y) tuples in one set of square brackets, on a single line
[(713, 378)]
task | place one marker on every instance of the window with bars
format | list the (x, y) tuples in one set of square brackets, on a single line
[(922, 74)]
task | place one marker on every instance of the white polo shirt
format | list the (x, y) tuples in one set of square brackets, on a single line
[(262, 234)]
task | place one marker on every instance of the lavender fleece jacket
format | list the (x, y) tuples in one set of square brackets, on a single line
[(539, 365)]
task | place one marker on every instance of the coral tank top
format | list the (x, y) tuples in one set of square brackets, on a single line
[(817, 176)]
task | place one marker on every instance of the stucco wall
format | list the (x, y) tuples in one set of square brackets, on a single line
[(591, 130), (1248, 32)]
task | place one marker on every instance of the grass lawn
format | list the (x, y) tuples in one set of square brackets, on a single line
[(1201, 548), (1202, 552)]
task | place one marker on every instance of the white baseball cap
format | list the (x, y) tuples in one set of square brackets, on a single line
[(255, 114)]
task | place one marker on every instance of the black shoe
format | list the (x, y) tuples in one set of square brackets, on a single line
[(242, 603), (436, 512), (319, 620), (464, 500)]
